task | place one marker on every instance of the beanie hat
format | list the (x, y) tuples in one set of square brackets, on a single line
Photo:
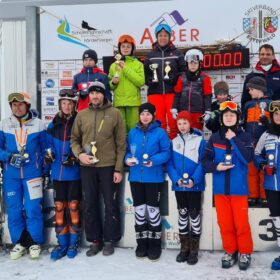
[(90, 54), (96, 86), (147, 107), (221, 88), (257, 83), (185, 115)]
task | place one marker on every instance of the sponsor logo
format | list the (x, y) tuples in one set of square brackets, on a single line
[(49, 83)]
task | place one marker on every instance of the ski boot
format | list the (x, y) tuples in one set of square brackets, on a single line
[(34, 251), (276, 264), (228, 260), (17, 252), (244, 261)]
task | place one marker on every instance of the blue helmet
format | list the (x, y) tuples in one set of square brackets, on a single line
[(164, 27)]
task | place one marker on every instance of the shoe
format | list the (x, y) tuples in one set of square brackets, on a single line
[(58, 252), (228, 260), (185, 248), (17, 252), (193, 255), (182, 257), (263, 202), (94, 248), (244, 261), (141, 252), (252, 201), (34, 251), (72, 251), (276, 264), (108, 249)]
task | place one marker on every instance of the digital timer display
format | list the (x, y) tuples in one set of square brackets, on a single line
[(226, 59)]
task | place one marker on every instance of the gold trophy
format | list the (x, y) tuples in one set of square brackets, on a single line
[(49, 153), (167, 69), (118, 58), (93, 151), (23, 152), (185, 179), (154, 67)]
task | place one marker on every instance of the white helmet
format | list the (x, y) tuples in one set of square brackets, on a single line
[(67, 94), (193, 55)]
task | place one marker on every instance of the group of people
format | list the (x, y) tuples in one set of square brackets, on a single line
[(85, 147)]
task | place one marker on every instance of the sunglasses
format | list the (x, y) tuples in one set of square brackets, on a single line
[(15, 96), (67, 93), (274, 106), (228, 105)]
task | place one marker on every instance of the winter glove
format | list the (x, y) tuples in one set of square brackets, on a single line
[(69, 161), (16, 160), (174, 113), (49, 156), (269, 170), (264, 120), (45, 181)]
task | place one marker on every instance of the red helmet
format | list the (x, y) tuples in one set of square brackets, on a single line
[(125, 38)]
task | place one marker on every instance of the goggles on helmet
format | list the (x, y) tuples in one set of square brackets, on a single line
[(126, 39), (274, 106), (164, 27), (192, 58), (19, 97), (229, 105), (67, 93)]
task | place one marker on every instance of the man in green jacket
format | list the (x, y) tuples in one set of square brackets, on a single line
[(98, 139), (126, 77)]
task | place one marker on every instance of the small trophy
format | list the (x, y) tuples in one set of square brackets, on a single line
[(145, 159), (185, 179), (262, 107), (93, 151), (271, 160), (133, 158), (167, 69), (49, 153), (154, 67), (228, 160), (23, 153), (118, 58)]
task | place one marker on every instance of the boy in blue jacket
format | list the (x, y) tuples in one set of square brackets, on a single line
[(187, 175), (147, 150)]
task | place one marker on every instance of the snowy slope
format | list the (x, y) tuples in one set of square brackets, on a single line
[(124, 266)]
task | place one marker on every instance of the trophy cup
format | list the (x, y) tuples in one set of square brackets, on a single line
[(91, 150), (262, 107), (271, 160), (167, 69), (145, 159), (185, 179), (23, 153), (49, 153), (228, 160), (154, 67), (118, 58), (133, 158)]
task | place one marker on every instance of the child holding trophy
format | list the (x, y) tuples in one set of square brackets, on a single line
[(227, 155), (148, 148), (267, 159), (126, 78), (187, 175)]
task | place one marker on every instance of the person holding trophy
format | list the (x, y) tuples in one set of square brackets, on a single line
[(227, 155), (126, 76), (187, 175), (148, 148), (65, 173), (267, 159), (22, 147), (163, 66), (98, 140)]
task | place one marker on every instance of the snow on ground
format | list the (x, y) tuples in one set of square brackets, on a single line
[(123, 265)]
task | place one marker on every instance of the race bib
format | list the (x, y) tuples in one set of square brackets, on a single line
[(34, 187)]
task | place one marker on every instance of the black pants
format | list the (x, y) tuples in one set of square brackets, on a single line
[(189, 200), (96, 181), (67, 190), (273, 199)]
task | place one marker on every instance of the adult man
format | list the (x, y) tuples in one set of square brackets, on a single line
[(88, 74), (268, 68), (98, 140), (22, 145)]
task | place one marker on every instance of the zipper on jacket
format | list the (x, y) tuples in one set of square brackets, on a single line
[(162, 73), (63, 147), (190, 91), (143, 151), (276, 160)]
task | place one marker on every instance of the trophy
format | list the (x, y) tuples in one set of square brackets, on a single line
[(185, 179), (262, 107), (167, 69), (154, 67), (49, 153), (228, 160), (91, 150), (118, 58), (133, 158), (23, 153), (271, 160), (145, 159)]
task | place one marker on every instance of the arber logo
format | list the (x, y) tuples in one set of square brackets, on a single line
[(260, 23)]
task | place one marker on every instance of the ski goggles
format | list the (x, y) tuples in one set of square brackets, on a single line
[(19, 97), (229, 105), (192, 58), (274, 106), (126, 39), (67, 93), (164, 27)]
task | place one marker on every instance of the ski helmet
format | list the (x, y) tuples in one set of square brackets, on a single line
[(193, 55), (229, 106), (19, 97), (125, 38), (164, 27), (67, 94)]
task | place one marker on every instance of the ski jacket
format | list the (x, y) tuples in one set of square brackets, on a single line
[(193, 96), (272, 78), (58, 140), (234, 180), (105, 126), (269, 144), (13, 135), (160, 56), (131, 78), (251, 116), (186, 155), (154, 142), (89, 74)]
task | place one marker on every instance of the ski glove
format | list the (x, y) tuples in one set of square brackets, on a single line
[(174, 113), (269, 170), (16, 160), (69, 161)]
